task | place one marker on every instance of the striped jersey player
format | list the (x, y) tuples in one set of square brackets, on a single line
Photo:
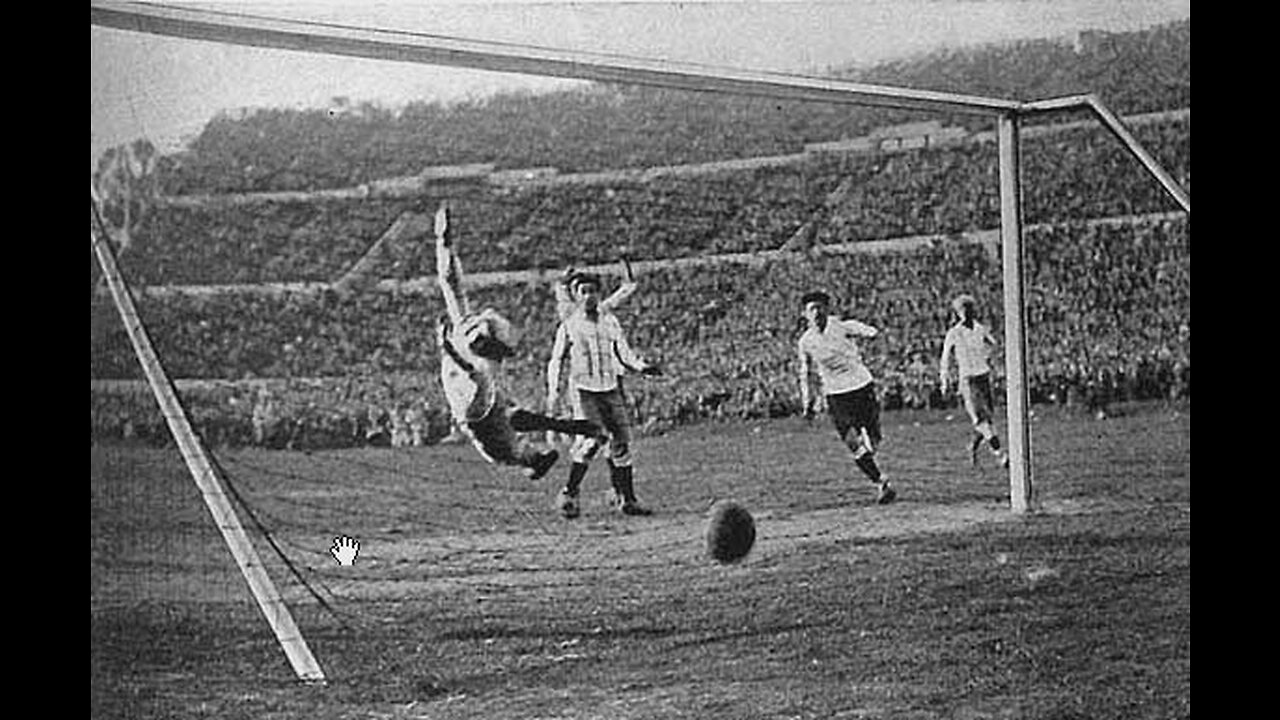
[(592, 340), (971, 343), (566, 303), (830, 346)]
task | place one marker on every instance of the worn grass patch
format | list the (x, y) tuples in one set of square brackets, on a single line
[(473, 599)]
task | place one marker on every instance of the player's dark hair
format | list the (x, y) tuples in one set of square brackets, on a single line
[(813, 296), (966, 307), (579, 279), (491, 348)]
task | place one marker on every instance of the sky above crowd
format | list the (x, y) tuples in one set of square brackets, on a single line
[(167, 89)]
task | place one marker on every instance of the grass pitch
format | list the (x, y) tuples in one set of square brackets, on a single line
[(471, 598)]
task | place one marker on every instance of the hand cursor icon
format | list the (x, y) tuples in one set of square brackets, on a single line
[(345, 549)]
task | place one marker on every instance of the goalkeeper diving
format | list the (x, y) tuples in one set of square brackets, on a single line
[(473, 347)]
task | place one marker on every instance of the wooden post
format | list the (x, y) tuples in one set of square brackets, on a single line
[(1021, 494), (193, 452)]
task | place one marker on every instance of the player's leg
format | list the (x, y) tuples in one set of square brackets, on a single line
[(842, 408), (583, 450), (859, 425), (526, 421), (976, 391), (497, 441), (983, 414), (967, 394), (618, 422)]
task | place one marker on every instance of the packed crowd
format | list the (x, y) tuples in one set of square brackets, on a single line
[(1069, 175), (627, 126), (1108, 304), (292, 414)]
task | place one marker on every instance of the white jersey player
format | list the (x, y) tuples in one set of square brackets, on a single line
[(830, 346), (971, 344)]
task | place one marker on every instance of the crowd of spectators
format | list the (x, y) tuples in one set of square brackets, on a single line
[(609, 127), (1108, 313), (284, 414), (1068, 175), (1108, 303)]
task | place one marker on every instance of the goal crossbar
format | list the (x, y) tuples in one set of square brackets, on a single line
[(380, 44)]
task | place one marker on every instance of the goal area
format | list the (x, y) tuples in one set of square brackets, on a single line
[(385, 274)]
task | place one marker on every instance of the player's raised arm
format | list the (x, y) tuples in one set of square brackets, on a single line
[(624, 291), (564, 294), (448, 270), (859, 328)]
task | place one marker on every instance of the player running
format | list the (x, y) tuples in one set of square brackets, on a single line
[(830, 346), (472, 348), (971, 343)]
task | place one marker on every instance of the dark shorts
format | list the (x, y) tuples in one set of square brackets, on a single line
[(495, 439), (978, 400), (497, 434), (856, 410), (608, 409)]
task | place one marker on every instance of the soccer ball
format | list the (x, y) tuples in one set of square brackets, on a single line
[(731, 532)]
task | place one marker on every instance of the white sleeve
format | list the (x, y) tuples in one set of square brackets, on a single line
[(619, 296), (948, 347), (861, 329), (558, 351), (803, 367), (625, 354)]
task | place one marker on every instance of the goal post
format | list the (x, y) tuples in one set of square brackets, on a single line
[(197, 460), (246, 29), (1021, 490)]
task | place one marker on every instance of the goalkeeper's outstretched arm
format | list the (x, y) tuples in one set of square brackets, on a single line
[(448, 270)]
